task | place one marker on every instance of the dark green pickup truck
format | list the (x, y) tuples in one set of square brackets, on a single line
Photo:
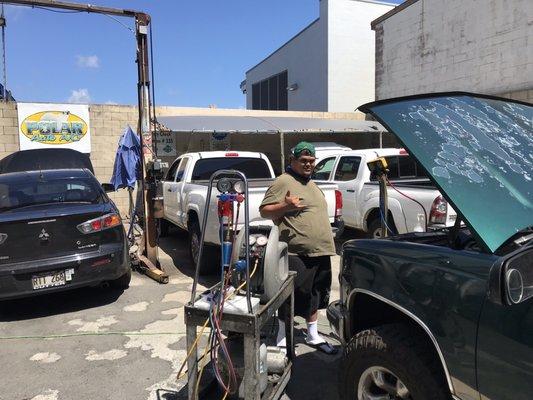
[(448, 314)]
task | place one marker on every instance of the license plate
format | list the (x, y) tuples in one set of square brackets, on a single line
[(50, 280)]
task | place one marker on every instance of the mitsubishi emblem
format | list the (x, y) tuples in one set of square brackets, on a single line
[(44, 236)]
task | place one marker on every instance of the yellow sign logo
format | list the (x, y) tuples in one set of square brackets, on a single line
[(54, 127)]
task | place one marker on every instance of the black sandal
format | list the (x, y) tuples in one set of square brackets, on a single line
[(324, 347)]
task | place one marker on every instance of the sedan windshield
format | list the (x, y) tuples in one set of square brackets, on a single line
[(31, 192)]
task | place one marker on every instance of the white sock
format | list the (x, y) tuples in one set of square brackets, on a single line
[(281, 340), (312, 333)]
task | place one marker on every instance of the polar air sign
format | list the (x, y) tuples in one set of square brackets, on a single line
[(54, 125)]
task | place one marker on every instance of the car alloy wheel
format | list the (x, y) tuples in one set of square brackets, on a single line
[(378, 383)]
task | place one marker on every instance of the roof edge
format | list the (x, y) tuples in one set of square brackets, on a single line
[(365, 108), (283, 45), (389, 14)]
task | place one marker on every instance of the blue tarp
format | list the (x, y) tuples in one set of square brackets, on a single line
[(127, 168)]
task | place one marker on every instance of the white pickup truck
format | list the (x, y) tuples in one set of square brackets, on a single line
[(185, 196), (360, 191)]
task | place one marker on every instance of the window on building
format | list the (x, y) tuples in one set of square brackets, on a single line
[(271, 93)]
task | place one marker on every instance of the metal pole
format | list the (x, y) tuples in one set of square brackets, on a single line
[(144, 129), (4, 54), (384, 206), (282, 145)]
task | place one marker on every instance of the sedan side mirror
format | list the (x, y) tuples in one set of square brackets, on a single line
[(108, 187)]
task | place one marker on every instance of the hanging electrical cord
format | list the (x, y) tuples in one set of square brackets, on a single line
[(4, 94), (120, 23), (385, 222), (58, 11), (213, 345), (154, 120), (410, 198)]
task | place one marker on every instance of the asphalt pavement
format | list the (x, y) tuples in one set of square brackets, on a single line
[(100, 343)]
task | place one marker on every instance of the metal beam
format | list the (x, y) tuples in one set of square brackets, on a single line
[(74, 7)]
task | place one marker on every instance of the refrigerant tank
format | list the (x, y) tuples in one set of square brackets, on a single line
[(276, 264)]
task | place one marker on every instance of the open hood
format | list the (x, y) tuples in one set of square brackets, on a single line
[(477, 149)]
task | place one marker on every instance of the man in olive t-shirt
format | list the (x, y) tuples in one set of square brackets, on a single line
[(298, 207)]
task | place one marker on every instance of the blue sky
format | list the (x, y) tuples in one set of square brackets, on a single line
[(202, 49)]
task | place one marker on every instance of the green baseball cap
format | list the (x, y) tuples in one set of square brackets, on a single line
[(301, 147)]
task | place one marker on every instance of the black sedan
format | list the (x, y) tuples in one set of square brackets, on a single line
[(58, 230)]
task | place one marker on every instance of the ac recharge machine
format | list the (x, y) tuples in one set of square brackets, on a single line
[(254, 283)]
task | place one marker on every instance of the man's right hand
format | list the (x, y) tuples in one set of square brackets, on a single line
[(293, 202)]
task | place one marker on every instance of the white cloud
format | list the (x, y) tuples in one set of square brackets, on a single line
[(111, 102), (80, 96), (88, 61)]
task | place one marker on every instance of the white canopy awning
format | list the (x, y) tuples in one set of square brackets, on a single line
[(255, 124)]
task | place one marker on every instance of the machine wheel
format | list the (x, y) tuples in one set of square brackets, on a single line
[(210, 257), (123, 282), (391, 362)]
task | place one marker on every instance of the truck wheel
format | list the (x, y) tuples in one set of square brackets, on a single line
[(210, 257), (374, 228), (391, 362)]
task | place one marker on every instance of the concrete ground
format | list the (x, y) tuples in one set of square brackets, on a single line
[(98, 343)]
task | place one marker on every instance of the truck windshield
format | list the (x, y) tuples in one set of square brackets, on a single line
[(402, 167), (253, 168), (31, 192)]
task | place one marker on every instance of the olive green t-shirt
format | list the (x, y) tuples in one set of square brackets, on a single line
[(307, 232)]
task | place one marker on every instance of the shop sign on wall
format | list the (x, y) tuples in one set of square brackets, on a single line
[(54, 126), (219, 141), (165, 144)]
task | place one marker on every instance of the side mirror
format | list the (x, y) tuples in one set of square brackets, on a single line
[(108, 187), (518, 278)]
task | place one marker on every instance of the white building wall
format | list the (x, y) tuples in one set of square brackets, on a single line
[(305, 59), (351, 52), (471, 45)]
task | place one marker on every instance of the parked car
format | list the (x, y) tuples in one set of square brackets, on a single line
[(185, 196), (415, 204), (58, 231), (448, 314)]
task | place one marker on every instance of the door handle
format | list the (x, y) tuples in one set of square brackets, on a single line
[(169, 190), (350, 191)]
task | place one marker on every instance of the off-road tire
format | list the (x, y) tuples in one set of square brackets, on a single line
[(402, 351), (210, 258), (123, 282)]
